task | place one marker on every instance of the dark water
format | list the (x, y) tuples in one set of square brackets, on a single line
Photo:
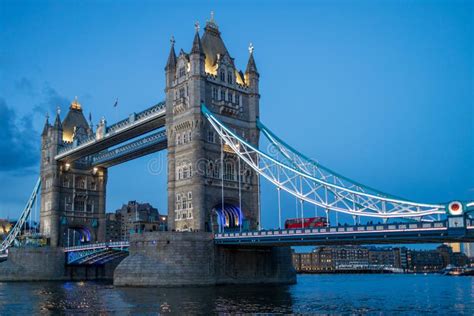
[(314, 294)]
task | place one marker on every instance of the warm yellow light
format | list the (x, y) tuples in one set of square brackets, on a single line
[(210, 69), (238, 79), (67, 137), (67, 166), (94, 170), (75, 105)]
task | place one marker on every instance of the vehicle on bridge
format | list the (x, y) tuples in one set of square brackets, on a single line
[(308, 222)]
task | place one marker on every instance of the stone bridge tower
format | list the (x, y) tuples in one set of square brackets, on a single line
[(198, 179), (72, 193)]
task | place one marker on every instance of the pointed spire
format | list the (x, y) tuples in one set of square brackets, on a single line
[(197, 47), (57, 121), (171, 63), (46, 125), (251, 66)]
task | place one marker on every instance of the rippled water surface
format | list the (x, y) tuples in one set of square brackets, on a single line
[(313, 294)]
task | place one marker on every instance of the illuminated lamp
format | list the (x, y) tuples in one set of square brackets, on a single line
[(455, 208)]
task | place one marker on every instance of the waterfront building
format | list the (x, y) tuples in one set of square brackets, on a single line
[(343, 258), (350, 256), (386, 256), (423, 261)]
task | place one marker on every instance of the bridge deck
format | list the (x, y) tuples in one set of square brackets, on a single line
[(117, 134), (401, 233)]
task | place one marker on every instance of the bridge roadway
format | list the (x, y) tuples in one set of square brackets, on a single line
[(135, 125), (393, 233), (396, 233)]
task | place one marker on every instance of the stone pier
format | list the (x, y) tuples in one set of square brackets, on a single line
[(191, 258), (33, 264)]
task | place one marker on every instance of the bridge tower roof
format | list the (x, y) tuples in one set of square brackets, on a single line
[(74, 119), (212, 43)]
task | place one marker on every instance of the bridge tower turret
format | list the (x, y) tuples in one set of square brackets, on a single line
[(201, 173), (72, 193), (51, 140)]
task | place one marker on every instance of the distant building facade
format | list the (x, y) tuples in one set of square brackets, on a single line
[(134, 218), (345, 258)]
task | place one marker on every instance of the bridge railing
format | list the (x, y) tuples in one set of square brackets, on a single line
[(340, 229), (137, 118), (132, 120), (120, 151), (112, 244)]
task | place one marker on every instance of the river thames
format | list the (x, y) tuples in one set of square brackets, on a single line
[(313, 294)]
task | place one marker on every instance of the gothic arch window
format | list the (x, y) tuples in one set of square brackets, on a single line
[(222, 74), (181, 92), (182, 72), (230, 78), (229, 171), (78, 205), (210, 169), (178, 139), (185, 172), (80, 183), (211, 137), (68, 203), (185, 138), (214, 93)]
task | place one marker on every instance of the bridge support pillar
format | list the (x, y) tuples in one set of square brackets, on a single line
[(33, 264), (192, 258)]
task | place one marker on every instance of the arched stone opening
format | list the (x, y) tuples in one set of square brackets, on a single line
[(226, 218)]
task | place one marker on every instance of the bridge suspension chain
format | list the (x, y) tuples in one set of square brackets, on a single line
[(320, 191), (16, 230)]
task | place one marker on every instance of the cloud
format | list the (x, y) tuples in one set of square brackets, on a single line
[(25, 86), (19, 142), (51, 100)]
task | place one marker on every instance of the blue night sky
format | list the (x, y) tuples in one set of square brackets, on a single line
[(382, 93)]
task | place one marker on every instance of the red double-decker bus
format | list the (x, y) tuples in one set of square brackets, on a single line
[(309, 222)]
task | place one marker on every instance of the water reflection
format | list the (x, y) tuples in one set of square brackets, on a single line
[(315, 294)]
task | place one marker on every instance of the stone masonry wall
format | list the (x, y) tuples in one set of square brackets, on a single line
[(191, 258), (33, 264)]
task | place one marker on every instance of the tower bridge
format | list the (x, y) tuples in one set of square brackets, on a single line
[(210, 125)]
